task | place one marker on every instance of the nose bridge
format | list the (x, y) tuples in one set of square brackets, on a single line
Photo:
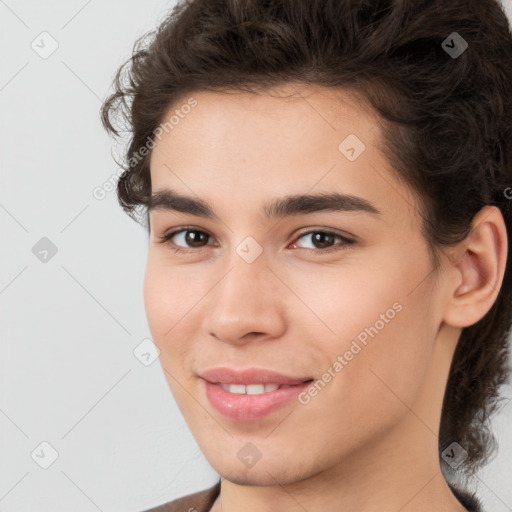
[(246, 300)]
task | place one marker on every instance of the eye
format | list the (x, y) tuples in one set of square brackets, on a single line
[(195, 239), (322, 241), (188, 239)]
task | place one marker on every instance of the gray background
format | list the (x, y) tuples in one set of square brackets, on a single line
[(70, 324)]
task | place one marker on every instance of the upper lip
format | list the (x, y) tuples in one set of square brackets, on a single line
[(249, 376)]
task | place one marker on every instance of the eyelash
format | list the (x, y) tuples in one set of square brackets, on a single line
[(165, 239)]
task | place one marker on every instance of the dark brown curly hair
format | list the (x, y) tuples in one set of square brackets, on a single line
[(446, 123)]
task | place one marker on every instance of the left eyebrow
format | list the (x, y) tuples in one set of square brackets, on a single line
[(311, 203), (301, 204)]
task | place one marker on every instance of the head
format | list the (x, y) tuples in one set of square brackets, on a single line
[(242, 104)]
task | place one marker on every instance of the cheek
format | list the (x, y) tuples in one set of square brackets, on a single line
[(384, 332), (158, 305), (387, 371), (169, 294), (166, 310), (375, 388), (172, 296), (345, 303), (162, 311)]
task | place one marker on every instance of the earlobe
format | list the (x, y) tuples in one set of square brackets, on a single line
[(479, 268)]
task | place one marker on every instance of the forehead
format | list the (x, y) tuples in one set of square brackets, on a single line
[(289, 140), (246, 124)]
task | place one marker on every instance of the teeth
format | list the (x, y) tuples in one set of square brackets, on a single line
[(250, 389)]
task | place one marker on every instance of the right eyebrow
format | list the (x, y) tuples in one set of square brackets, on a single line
[(171, 201)]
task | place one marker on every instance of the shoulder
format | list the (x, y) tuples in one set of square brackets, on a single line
[(200, 501)]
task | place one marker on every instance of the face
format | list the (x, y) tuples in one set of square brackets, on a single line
[(337, 295)]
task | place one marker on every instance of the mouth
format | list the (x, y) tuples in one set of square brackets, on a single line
[(252, 389), (250, 394), (250, 377)]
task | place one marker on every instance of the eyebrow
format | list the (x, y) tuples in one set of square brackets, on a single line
[(300, 204)]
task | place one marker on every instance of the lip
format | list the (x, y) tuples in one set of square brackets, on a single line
[(243, 407), (249, 376)]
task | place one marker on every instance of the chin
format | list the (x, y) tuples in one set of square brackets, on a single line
[(253, 479), (248, 480), (260, 475)]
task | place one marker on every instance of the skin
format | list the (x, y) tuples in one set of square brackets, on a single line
[(368, 440)]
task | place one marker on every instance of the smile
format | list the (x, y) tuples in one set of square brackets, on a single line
[(251, 389)]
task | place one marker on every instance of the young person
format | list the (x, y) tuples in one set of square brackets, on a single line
[(327, 190)]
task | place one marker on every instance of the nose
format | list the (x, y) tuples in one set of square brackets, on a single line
[(247, 303)]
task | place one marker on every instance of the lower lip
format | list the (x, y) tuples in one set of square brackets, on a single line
[(250, 407)]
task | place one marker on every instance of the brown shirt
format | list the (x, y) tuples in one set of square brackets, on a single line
[(198, 502), (202, 501)]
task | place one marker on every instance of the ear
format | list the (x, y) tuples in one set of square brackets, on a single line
[(477, 267)]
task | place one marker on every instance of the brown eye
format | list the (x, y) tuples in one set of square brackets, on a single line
[(195, 238), (324, 241), (184, 239)]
